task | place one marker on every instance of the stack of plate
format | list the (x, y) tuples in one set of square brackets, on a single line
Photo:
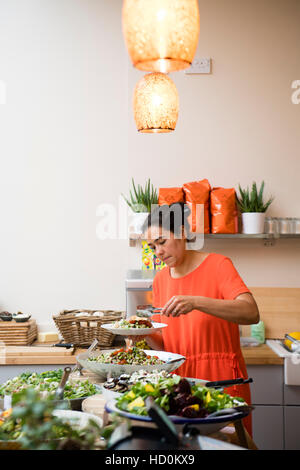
[(14, 333)]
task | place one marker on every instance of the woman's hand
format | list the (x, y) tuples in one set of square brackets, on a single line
[(242, 310), (154, 341), (179, 305), (136, 338)]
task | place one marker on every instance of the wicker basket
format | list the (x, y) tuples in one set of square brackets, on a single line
[(81, 327)]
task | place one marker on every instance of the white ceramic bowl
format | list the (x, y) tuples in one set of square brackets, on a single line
[(78, 419), (116, 369)]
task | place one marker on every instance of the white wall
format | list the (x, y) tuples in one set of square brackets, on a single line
[(238, 124), (68, 141), (63, 148)]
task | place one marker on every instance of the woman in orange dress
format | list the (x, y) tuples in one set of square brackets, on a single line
[(203, 301)]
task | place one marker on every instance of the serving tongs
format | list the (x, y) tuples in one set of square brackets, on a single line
[(78, 368), (59, 394), (147, 310), (228, 383), (232, 411), (171, 361)]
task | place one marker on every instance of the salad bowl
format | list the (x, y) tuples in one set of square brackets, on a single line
[(171, 362), (46, 383), (207, 425), (185, 401)]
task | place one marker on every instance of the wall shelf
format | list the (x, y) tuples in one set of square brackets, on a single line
[(269, 239)]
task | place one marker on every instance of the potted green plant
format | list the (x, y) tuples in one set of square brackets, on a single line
[(140, 201), (39, 423), (253, 208)]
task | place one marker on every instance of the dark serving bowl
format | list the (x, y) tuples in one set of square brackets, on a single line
[(21, 318), (6, 316)]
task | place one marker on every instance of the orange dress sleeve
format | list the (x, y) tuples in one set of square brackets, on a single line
[(230, 282)]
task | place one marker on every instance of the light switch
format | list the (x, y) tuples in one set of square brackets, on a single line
[(202, 65)]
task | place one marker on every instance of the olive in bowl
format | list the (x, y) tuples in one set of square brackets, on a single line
[(6, 316), (21, 317)]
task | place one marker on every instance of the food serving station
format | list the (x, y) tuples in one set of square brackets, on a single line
[(96, 152), (268, 364), (138, 385)]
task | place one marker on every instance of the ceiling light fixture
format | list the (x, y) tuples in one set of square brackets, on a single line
[(155, 104), (161, 35)]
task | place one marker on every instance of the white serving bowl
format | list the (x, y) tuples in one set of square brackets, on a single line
[(78, 419), (117, 369)]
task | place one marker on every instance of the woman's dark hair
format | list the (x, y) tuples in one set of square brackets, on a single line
[(171, 218)]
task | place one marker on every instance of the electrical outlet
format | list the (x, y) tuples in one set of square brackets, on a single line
[(202, 65)]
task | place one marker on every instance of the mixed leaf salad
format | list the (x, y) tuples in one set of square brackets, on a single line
[(11, 427), (123, 356), (33, 425), (177, 397), (46, 384), (133, 323)]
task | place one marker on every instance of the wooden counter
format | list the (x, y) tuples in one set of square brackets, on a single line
[(36, 354), (18, 355), (261, 355)]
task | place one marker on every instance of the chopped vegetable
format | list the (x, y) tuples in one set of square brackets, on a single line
[(133, 323), (177, 397), (137, 403), (142, 344), (132, 355), (46, 383)]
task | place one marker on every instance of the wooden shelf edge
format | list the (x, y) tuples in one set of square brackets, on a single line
[(135, 238)]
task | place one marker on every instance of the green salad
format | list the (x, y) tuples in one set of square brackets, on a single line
[(34, 425), (137, 323), (123, 356), (177, 397), (46, 384)]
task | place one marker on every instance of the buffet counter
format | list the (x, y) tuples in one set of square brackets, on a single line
[(44, 357)]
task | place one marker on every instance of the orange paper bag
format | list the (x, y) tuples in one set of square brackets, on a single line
[(224, 214), (170, 196), (197, 199)]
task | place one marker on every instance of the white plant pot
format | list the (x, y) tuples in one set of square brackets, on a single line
[(253, 222), (138, 218)]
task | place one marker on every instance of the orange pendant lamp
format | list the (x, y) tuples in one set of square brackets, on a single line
[(161, 35), (155, 104)]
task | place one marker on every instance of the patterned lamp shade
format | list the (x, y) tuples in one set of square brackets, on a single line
[(161, 35), (155, 103)]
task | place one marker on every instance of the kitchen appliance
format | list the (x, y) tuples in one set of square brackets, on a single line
[(294, 344), (138, 286), (291, 360)]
